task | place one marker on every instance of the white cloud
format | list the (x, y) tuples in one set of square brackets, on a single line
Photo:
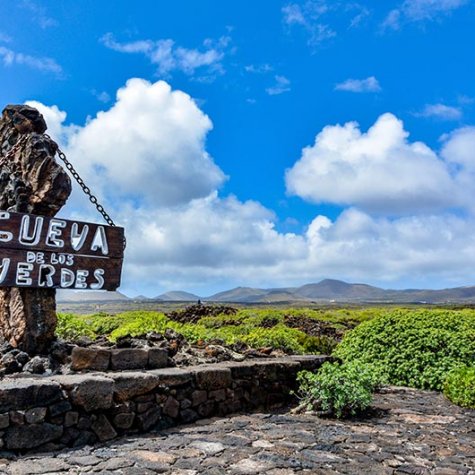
[(370, 84), (308, 16), (282, 84), (379, 170), (168, 57), (44, 64), (102, 96), (38, 14), (459, 148), (258, 68), (148, 147), (440, 111), (420, 10), (316, 18), (145, 157)]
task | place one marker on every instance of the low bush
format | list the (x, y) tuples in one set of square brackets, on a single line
[(71, 327), (459, 386), (339, 390), (414, 348)]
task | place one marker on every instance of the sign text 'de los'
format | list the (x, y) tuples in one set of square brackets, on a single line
[(39, 251)]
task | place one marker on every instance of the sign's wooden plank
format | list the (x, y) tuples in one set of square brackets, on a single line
[(20, 268), (42, 233)]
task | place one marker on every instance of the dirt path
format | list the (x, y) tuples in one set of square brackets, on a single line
[(413, 432)]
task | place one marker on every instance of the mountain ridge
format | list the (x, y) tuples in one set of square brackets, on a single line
[(327, 290)]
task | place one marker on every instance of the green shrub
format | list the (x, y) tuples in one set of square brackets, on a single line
[(413, 347), (71, 327), (337, 390), (277, 337), (140, 323), (459, 386)]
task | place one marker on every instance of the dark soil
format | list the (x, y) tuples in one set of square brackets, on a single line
[(319, 328), (193, 313)]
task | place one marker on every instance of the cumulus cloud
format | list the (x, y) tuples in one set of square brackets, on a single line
[(420, 10), (440, 111), (44, 64), (378, 170), (145, 157), (370, 84), (149, 146), (168, 57), (281, 85)]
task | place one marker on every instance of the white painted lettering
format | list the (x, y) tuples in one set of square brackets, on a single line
[(81, 276), (4, 268), (98, 274), (23, 273), (27, 238), (100, 241), (46, 273), (67, 278), (55, 229), (77, 239)]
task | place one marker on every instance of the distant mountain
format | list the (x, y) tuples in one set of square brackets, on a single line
[(178, 296), (66, 295), (239, 294), (142, 298), (336, 289), (330, 290), (327, 290)]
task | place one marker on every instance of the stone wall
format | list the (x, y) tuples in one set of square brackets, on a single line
[(55, 412)]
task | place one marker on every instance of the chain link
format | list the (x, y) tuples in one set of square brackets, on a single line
[(92, 198), (85, 188)]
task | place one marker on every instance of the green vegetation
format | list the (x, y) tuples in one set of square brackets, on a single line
[(254, 327), (418, 347), (459, 386), (339, 390), (413, 348)]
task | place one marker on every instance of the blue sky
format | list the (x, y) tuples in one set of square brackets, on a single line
[(247, 86)]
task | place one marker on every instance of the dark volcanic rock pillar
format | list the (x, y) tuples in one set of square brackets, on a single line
[(30, 182)]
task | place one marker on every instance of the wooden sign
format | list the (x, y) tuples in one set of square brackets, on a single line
[(39, 251)]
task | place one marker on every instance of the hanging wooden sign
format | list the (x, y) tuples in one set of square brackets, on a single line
[(39, 251)]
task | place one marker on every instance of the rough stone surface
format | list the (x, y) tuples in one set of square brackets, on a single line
[(129, 358), (131, 384), (88, 407), (212, 377), (124, 420), (408, 432), (37, 434), (90, 358), (91, 392), (103, 428), (172, 376), (30, 182), (157, 358), (27, 393), (35, 415)]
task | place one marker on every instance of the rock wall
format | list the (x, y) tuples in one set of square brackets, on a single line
[(55, 412)]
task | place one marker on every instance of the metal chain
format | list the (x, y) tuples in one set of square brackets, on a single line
[(85, 188), (72, 170)]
